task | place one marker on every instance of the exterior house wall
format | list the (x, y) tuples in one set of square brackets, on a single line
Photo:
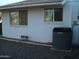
[(75, 13), (10, 30), (37, 29)]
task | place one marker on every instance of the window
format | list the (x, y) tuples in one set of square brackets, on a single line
[(14, 19), (49, 14), (18, 17), (53, 14), (58, 14)]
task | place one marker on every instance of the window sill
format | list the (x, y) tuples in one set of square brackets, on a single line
[(55, 22), (18, 25)]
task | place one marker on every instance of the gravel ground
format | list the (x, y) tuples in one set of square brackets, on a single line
[(13, 50)]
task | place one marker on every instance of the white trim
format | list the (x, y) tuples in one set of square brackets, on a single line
[(53, 14), (34, 5), (63, 2)]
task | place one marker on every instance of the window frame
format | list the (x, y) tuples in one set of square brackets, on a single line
[(53, 20)]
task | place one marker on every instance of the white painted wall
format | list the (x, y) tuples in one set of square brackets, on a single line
[(37, 29), (12, 31)]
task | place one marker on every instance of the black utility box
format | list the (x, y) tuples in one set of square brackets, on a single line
[(62, 38)]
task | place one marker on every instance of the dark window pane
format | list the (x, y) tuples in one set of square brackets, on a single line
[(23, 17), (58, 14)]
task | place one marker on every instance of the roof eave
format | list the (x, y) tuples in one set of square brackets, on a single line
[(34, 5)]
